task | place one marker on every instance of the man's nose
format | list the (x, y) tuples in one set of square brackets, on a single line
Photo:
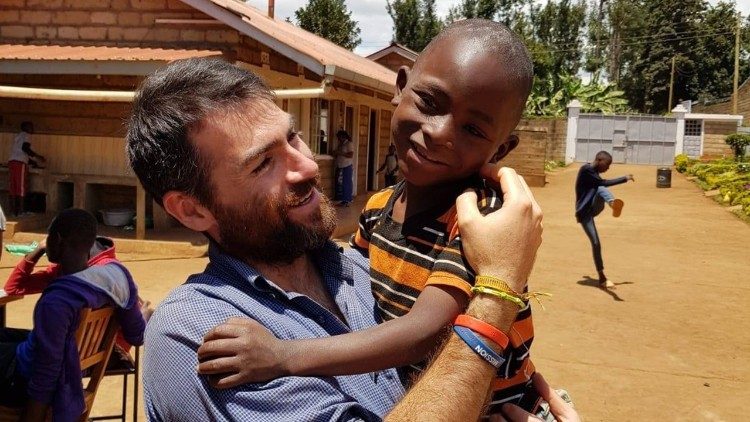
[(301, 167)]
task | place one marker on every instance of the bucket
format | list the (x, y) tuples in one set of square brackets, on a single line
[(664, 177)]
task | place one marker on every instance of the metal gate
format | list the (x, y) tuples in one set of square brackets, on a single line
[(630, 139)]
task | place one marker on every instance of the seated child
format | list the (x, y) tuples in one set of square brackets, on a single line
[(455, 111), (40, 368)]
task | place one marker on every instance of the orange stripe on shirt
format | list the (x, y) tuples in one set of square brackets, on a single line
[(521, 331), (398, 270), (524, 373), (442, 278)]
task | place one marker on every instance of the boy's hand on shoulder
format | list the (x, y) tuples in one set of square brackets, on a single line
[(502, 244), (240, 351)]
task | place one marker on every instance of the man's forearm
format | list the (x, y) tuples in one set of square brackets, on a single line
[(455, 387)]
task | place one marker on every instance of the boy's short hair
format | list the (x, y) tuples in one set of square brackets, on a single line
[(603, 156), (498, 40), (76, 227)]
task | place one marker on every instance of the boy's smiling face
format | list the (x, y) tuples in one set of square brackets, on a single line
[(454, 112)]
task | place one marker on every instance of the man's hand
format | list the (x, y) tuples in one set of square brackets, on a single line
[(562, 411), (515, 229), (241, 351), (630, 177)]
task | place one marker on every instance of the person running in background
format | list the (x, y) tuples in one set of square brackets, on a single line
[(390, 165), (18, 164), (344, 168), (591, 194)]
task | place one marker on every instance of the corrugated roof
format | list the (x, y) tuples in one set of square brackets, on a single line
[(102, 53), (318, 48)]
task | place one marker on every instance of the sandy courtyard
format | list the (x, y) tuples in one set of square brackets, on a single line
[(670, 343)]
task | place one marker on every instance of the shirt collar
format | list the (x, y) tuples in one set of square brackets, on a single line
[(329, 258)]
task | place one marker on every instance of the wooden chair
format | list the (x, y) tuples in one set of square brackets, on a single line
[(95, 338)]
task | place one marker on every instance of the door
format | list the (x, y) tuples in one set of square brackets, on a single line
[(372, 149)]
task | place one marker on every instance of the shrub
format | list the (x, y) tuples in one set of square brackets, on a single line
[(682, 162), (738, 142)]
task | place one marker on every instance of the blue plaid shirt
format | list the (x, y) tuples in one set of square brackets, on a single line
[(230, 288)]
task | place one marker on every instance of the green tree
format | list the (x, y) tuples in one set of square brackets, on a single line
[(415, 22), (557, 40), (671, 29), (330, 19)]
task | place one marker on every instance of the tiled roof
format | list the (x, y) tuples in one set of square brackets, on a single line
[(59, 52)]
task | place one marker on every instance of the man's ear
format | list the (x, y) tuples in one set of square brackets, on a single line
[(401, 78), (505, 148), (188, 211)]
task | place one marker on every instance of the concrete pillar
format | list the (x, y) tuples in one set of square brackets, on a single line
[(574, 110), (679, 143)]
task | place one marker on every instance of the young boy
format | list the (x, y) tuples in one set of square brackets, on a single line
[(455, 111), (591, 194), (40, 368)]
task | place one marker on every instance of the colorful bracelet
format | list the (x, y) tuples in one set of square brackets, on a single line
[(481, 327), (498, 293), (478, 346)]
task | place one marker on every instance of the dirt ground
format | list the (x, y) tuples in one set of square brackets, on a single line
[(670, 343)]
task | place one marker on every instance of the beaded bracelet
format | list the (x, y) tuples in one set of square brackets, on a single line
[(478, 346)]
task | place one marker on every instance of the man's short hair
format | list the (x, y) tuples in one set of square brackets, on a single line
[(76, 227), (170, 104), (603, 156), (498, 40)]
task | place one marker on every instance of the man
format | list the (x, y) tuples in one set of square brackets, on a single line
[(208, 143), (591, 194), (18, 167), (40, 368)]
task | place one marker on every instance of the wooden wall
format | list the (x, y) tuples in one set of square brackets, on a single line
[(73, 154), (363, 131)]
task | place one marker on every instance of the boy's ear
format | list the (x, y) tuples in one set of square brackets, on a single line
[(189, 211), (505, 148), (401, 78)]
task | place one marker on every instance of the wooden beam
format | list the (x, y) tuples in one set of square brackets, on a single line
[(140, 213)]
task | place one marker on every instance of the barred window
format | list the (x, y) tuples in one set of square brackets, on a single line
[(693, 127)]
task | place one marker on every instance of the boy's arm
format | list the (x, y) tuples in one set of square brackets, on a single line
[(24, 281), (613, 182), (240, 353), (26, 147)]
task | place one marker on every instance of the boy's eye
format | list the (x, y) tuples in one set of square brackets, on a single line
[(474, 131), (426, 101)]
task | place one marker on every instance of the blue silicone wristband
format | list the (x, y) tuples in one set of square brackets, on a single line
[(478, 346)]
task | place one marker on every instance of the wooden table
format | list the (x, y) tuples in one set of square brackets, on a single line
[(4, 300)]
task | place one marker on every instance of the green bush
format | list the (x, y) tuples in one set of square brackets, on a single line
[(738, 142), (681, 163)]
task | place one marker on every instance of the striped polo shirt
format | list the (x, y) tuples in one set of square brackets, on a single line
[(426, 250)]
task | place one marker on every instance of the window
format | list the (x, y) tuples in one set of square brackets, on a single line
[(319, 136), (693, 127)]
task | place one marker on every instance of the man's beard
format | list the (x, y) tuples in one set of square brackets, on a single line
[(264, 233)]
